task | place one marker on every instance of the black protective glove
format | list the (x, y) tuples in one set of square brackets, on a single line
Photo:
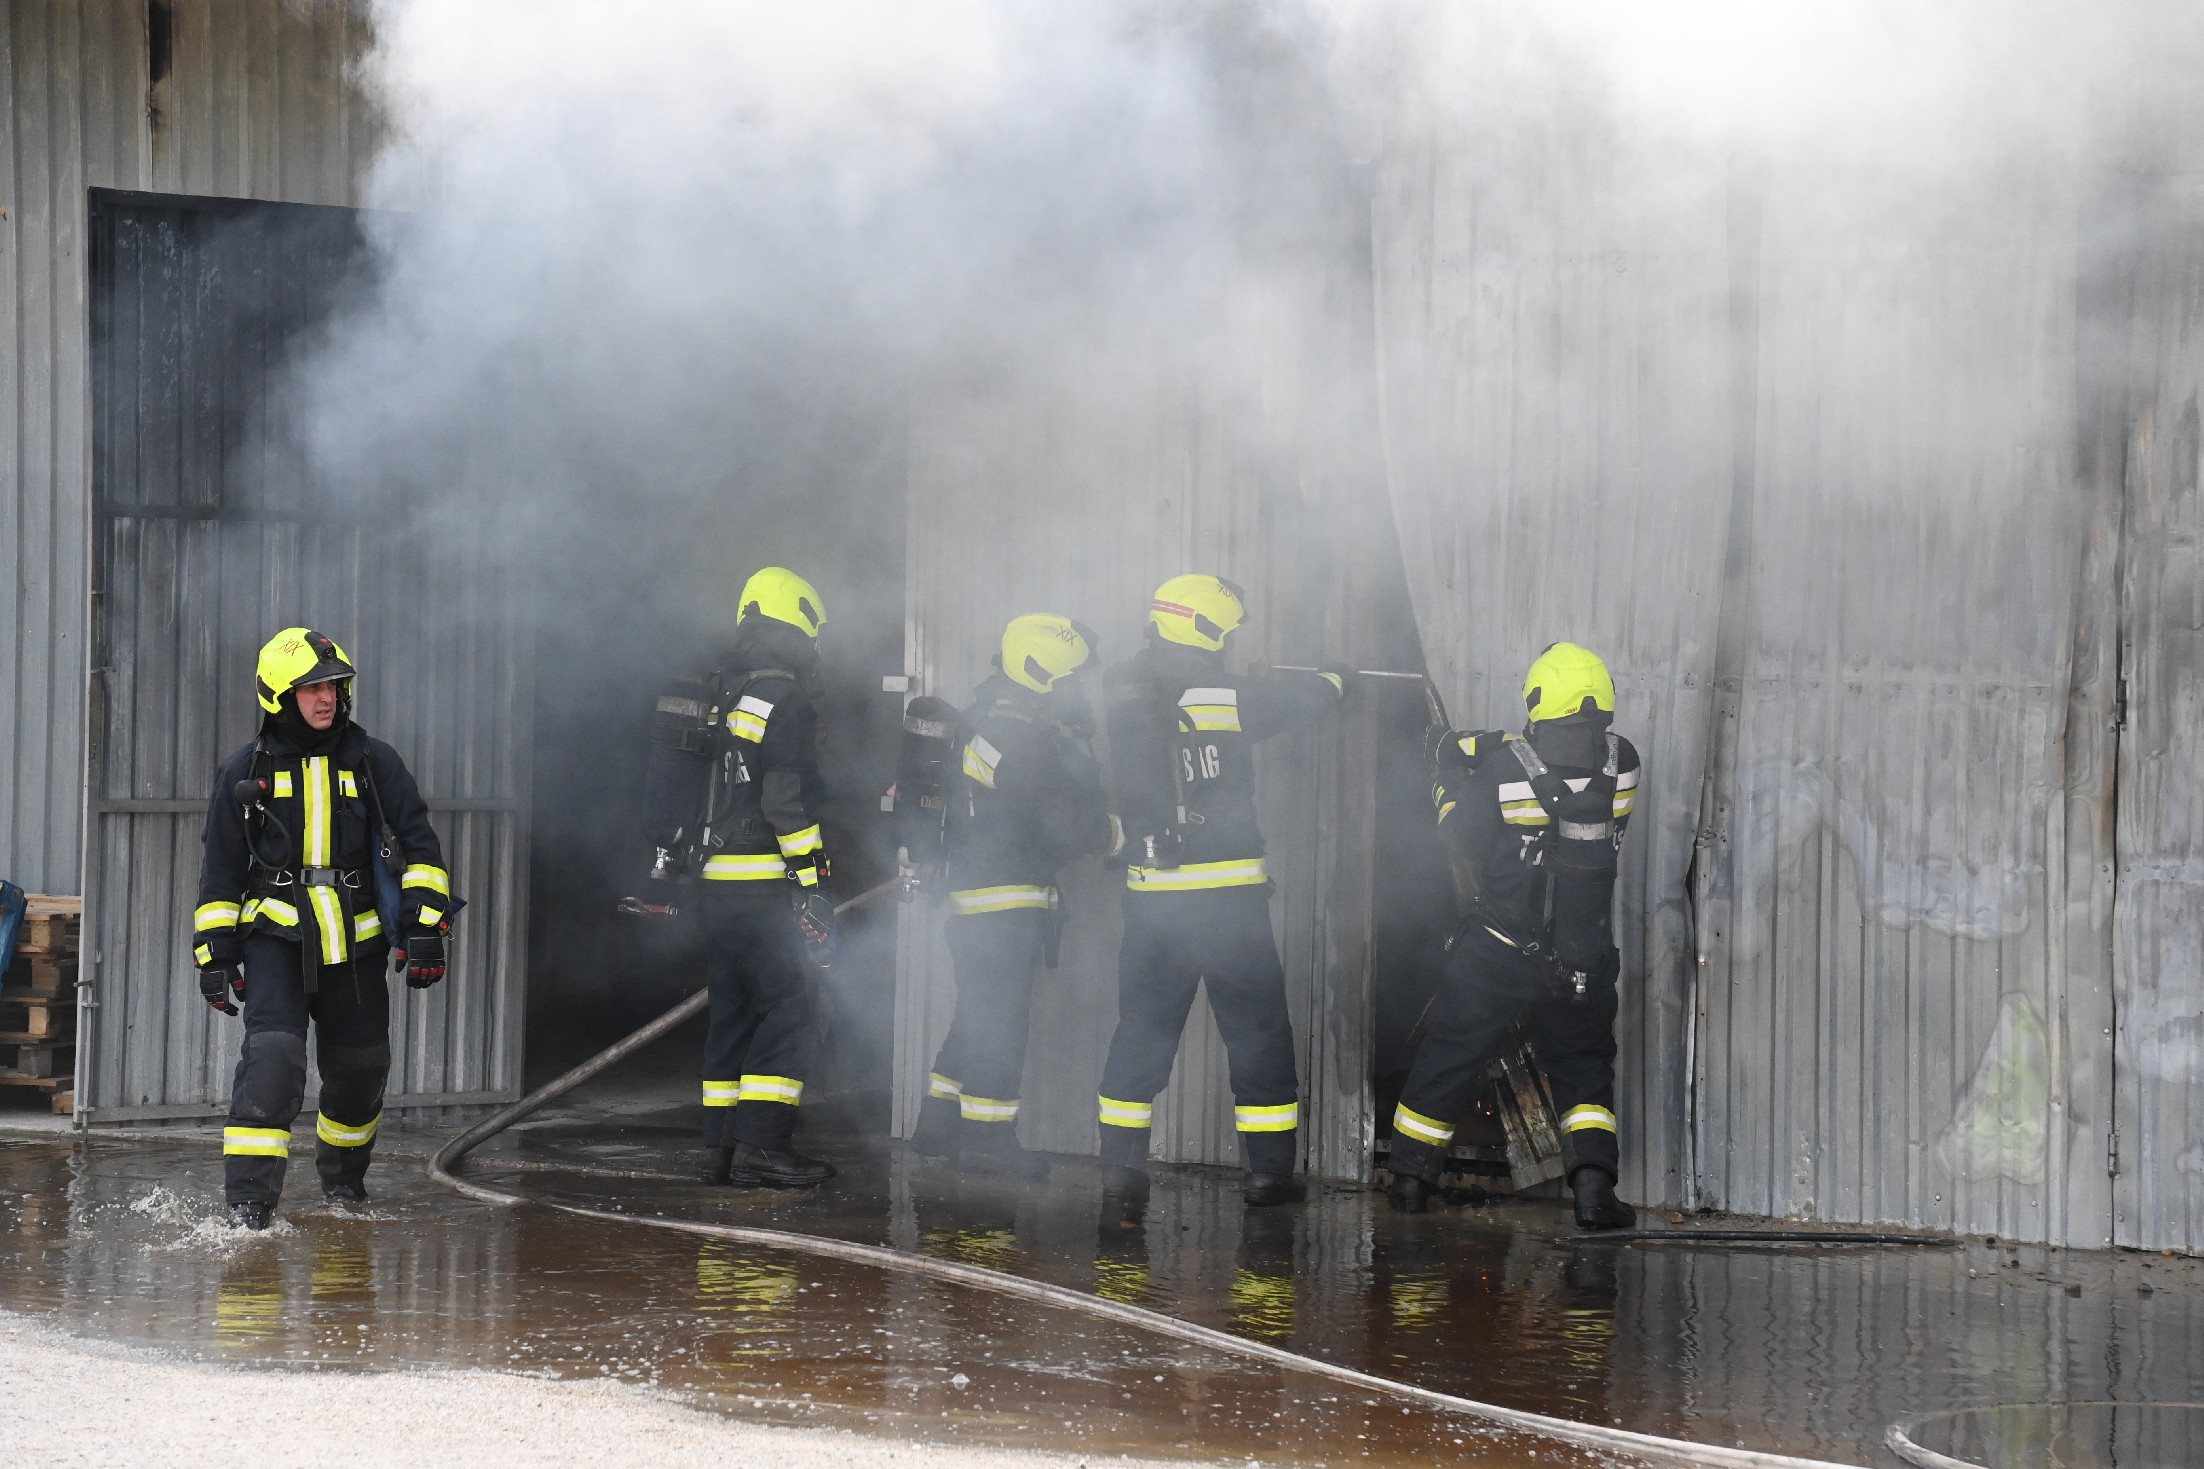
[(815, 925), (219, 982), (1451, 752), (424, 959)]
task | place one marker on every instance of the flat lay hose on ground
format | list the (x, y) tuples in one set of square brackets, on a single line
[(1612, 1440)]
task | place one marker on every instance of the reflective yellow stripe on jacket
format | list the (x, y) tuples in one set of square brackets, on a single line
[(213, 916), (1239, 873), (421, 877), (318, 846), (1002, 899)]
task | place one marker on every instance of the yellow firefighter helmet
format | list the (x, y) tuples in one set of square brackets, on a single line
[(294, 658), (1041, 647), (1564, 680), (1197, 611), (780, 594)]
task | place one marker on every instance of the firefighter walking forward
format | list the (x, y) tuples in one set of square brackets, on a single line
[(318, 856), (732, 799), (1538, 820), (1025, 798), (1197, 896)]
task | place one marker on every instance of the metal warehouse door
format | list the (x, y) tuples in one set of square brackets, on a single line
[(209, 535)]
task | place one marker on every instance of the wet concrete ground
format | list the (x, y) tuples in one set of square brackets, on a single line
[(1805, 1350)]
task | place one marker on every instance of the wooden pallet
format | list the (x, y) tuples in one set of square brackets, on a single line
[(38, 1003), (50, 926), (31, 1017)]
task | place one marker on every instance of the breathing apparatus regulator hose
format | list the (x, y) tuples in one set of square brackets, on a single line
[(1641, 1445)]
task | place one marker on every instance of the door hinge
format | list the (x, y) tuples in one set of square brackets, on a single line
[(2112, 1152)]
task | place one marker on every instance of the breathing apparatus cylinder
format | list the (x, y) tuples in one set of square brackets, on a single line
[(1581, 862), (924, 766)]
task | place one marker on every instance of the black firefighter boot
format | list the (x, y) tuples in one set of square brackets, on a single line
[(940, 1128), (750, 1166), (1415, 1168), (251, 1216), (1269, 1178), (1596, 1204), (991, 1150)]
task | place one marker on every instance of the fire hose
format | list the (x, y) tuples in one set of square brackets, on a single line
[(1591, 1435)]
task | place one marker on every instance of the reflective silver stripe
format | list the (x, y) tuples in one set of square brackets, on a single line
[(980, 760), (1587, 831), (343, 1135), (1127, 1114), (747, 720), (1212, 709), (938, 1085), (1590, 1115), (772, 1089), (1244, 872), (256, 1142), (1282, 1118), (1002, 899), (1422, 1128), (988, 1109), (752, 865), (316, 811), (722, 1093)]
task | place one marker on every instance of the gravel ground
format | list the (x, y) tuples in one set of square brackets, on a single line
[(64, 1402)]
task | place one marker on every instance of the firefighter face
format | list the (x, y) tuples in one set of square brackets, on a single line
[(317, 704)]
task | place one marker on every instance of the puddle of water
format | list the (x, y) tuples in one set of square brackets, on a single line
[(124, 1241), (2068, 1436), (1801, 1350)]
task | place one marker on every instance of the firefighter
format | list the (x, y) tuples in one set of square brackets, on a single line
[(318, 855), (1197, 896), (1537, 821), (732, 799), (1026, 798)]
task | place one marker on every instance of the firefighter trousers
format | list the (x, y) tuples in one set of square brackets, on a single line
[(350, 1016), (1220, 940), (1490, 986), (758, 1037), (982, 1060)]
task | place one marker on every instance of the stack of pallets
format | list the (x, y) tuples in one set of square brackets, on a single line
[(38, 1002)]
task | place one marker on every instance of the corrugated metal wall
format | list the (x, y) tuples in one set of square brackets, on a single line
[(2158, 1058), (254, 103), (1833, 476)]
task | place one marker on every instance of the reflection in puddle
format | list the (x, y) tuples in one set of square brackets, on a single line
[(747, 1300), (1808, 1352)]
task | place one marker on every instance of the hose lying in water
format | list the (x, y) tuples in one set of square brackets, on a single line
[(1590, 1435)]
